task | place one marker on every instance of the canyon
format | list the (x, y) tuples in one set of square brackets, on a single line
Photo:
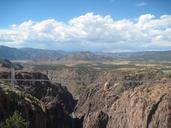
[(119, 99)]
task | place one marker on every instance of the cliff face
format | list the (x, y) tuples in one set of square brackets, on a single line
[(117, 100), (42, 104), (47, 91), (133, 104), (30, 108), (143, 107)]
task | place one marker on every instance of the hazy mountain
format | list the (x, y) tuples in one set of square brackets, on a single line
[(86, 55), (146, 55), (30, 53), (12, 53)]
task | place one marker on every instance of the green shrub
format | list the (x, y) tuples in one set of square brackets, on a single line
[(14, 121)]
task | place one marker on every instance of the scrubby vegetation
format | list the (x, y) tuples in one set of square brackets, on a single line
[(14, 121)]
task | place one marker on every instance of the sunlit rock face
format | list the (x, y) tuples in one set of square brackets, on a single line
[(134, 104)]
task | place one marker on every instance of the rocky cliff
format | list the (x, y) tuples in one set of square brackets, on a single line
[(136, 100), (120, 99), (42, 104)]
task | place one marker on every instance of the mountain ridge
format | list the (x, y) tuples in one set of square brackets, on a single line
[(31, 54)]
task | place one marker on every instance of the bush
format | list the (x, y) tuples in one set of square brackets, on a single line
[(14, 121)]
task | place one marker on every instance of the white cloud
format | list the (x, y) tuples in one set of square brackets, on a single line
[(91, 32)]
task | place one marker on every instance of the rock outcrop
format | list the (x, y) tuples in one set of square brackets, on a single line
[(98, 120), (42, 104), (143, 107), (137, 101), (29, 107)]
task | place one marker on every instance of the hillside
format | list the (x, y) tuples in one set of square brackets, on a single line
[(28, 53)]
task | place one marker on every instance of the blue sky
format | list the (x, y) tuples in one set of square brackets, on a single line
[(17, 11), (111, 24)]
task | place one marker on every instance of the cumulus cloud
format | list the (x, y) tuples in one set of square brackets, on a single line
[(91, 31)]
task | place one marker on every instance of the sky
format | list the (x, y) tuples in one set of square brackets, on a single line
[(86, 25)]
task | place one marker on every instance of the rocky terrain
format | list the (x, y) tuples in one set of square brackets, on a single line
[(42, 104), (126, 105), (99, 98)]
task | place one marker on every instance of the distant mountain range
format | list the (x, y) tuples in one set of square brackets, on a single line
[(30, 53)]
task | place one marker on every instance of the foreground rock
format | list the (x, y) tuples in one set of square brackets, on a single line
[(144, 107), (42, 104), (123, 104), (30, 108)]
